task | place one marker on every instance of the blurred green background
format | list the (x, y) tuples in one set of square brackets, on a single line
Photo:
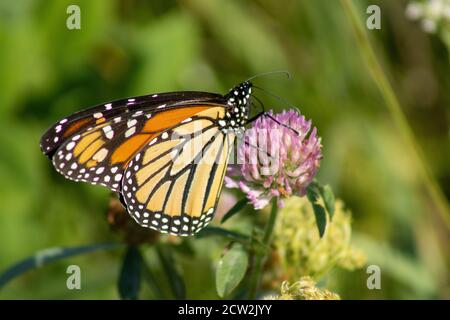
[(129, 48)]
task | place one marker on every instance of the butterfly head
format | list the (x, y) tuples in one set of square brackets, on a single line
[(238, 107)]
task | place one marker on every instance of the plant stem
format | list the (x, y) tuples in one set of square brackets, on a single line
[(260, 255), (399, 118)]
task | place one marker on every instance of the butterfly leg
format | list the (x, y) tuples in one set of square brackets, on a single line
[(268, 115)]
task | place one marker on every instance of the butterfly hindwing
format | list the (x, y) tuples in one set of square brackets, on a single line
[(172, 184)]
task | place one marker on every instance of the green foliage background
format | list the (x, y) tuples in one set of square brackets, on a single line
[(128, 48)]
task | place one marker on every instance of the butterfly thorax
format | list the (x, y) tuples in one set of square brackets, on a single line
[(237, 108)]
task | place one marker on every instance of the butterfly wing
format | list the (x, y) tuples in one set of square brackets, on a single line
[(116, 111), (166, 153), (172, 184), (95, 147)]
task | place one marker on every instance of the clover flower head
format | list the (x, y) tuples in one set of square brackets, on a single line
[(277, 158)]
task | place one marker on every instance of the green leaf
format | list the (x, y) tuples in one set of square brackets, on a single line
[(231, 270), (169, 265), (130, 274), (328, 199), (321, 219), (241, 204), (316, 190), (312, 194), (47, 256), (217, 231), (152, 281), (185, 247)]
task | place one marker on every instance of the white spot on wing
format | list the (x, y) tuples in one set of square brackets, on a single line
[(100, 155), (70, 145), (109, 133), (130, 132), (131, 123), (153, 141)]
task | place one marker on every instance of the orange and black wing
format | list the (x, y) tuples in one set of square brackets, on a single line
[(96, 145), (165, 153), (117, 111), (172, 184)]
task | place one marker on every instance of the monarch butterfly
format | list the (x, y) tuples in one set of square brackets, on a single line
[(124, 145)]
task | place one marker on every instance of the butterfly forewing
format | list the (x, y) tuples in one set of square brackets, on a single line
[(101, 154), (83, 120)]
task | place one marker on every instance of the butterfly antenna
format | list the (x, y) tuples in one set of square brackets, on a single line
[(276, 97), (261, 104), (270, 73)]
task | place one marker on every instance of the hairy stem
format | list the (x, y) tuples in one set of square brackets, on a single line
[(261, 255)]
